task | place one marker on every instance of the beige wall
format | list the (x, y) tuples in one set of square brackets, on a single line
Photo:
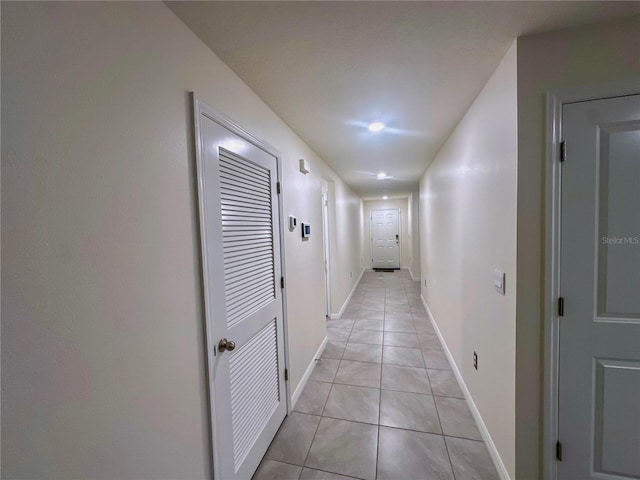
[(468, 228), (102, 343), (574, 57), (346, 251), (405, 242)]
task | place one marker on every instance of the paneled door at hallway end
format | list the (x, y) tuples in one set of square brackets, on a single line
[(385, 238), (240, 237)]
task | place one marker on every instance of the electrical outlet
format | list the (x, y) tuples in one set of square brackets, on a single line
[(425, 282), (475, 360)]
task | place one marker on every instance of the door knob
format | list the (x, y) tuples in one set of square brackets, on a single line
[(226, 345)]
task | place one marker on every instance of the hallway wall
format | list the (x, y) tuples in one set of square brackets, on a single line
[(102, 314), (467, 229), (405, 240)]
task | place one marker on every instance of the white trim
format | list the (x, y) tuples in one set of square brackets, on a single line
[(555, 100), (413, 277), (336, 316), (486, 436), (307, 374)]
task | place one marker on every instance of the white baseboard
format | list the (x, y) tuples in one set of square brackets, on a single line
[(307, 373), (486, 436), (413, 277), (336, 316)]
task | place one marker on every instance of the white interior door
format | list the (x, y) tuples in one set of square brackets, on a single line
[(599, 376), (243, 300), (385, 238)]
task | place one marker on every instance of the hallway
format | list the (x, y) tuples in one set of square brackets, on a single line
[(382, 403)]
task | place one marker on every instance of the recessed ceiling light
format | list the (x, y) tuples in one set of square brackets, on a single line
[(381, 175), (376, 126), (385, 198)]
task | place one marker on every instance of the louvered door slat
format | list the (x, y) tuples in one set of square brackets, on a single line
[(254, 389), (247, 236), (237, 168)]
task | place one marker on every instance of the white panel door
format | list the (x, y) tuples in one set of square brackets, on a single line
[(385, 238), (243, 300), (599, 376)]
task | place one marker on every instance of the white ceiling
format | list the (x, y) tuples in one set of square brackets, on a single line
[(329, 68)]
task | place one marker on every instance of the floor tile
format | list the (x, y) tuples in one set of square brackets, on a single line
[(368, 324), (424, 327), (345, 321), (399, 326), (351, 310), (333, 349), (398, 317), (293, 440), (396, 300), (444, 383), (366, 336), (401, 339), (436, 359), (456, 419), (338, 334), (360, 404), (471, 460), (402, 308), (412, 411), (429, 342), (405, 379), (346, 448), (403, 454), (373, 314), (311, 474), (313, 398), (363, 352), (409, 357), (272, 470), (358, 373), (325, 370)]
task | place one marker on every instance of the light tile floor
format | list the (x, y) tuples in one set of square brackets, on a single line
[(382, 402)]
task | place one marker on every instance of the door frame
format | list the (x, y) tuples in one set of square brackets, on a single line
[(551, 325), (326, 244), (199, 107), (399, 235)]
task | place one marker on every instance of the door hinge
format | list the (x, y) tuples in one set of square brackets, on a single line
[(561, 306), (286, 374), (563, 151), (281, 282), (559, 451), (278, 187)]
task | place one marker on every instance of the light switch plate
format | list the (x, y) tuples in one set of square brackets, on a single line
[(499, 281)]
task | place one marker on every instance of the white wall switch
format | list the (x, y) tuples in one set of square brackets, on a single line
[(498, 281)]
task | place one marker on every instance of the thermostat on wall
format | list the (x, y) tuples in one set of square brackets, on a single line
[(306, 230)]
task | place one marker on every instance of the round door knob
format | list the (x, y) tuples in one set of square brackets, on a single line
[(225, 344)]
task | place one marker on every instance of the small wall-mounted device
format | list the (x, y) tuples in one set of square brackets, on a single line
[(304, 166), (498, 281), (306, 230), (292, 223)]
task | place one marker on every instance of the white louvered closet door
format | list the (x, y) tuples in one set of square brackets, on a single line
[(241, 256)]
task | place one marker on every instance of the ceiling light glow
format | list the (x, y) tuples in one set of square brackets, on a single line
[(376, 126), (381, 175), (385, 198)]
